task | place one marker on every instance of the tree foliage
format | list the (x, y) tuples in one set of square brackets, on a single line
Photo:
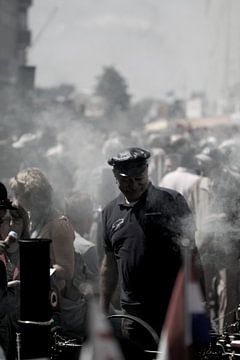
[(112, 87)]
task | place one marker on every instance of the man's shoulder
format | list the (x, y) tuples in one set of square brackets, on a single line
[(59, 220), (163, 192), (58, 225), (112, 204)]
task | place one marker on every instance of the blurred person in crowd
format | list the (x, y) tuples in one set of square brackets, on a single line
[(13, 220), (142, 232), (156, 165), (185, 175), (215, 202), (171, 162), (107, 189), (79, 210), (207, 143), (102, 188), (33, 191), (157, 141), (231, 150), (157, 144), (179, 143)]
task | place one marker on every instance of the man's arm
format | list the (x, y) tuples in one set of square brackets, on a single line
[(108, 280)]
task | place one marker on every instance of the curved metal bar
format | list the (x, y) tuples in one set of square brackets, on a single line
[(139, 321), (41, 323)]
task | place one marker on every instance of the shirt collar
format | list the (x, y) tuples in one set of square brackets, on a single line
[(122, 202)]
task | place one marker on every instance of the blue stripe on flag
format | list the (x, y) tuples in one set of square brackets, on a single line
[(200, 330)]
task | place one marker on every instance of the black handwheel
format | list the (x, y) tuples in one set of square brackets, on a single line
[(141, 322)]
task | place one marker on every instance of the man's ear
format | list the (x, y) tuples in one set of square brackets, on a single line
[(115, 176)]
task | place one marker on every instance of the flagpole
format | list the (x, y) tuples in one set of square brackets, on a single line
[(187, 274)]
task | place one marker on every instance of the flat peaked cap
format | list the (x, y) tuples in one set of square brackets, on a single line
[(130, 162)]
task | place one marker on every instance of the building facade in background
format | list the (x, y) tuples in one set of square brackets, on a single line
[(16, 77)]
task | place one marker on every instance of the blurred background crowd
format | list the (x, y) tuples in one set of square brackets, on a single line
[(69, 134)]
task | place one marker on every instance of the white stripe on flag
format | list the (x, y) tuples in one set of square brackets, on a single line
[(163, 347), (195, 302)]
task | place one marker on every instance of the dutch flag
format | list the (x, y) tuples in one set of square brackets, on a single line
[(186, 328)]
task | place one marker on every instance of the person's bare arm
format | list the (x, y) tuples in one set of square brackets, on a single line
[(62, 236), (108, 280)]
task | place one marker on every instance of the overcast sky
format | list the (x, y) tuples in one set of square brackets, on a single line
[(157, 45)]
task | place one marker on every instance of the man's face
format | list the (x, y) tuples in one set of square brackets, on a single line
[(133, 186)]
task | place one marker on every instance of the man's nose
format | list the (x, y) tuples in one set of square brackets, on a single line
[(132, 181)]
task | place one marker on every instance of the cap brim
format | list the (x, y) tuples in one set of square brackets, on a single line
[(133, 171)]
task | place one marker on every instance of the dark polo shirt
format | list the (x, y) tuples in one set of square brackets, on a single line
[(146, 241)]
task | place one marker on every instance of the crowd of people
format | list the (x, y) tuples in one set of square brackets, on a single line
[(150, 198)]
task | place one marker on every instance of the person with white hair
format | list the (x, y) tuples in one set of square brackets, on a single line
[(32, 190)]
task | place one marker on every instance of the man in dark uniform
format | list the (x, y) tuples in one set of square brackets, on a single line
[(142, 233)]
